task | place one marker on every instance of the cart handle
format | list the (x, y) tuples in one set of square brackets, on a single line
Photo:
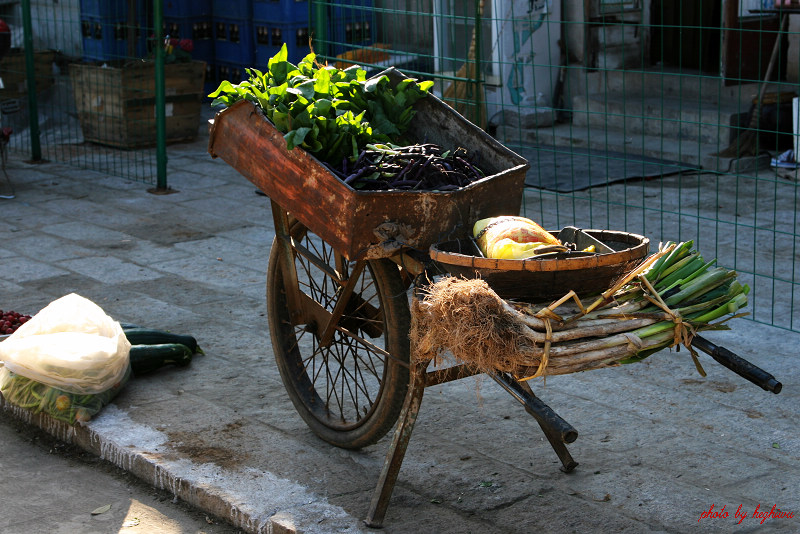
[(738, 365)]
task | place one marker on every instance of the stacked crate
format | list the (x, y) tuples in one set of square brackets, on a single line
[(351, 25), (112, 30), (229, 35), (280, 21), (234, 46), (192, 19)]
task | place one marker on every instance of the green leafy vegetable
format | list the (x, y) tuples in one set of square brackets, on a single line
[(333, 113)]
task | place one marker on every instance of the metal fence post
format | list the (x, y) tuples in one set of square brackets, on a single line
[(477, 83), (30, 73), (317, 13), (161, 125)]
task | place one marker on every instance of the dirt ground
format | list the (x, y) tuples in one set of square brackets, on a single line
[(57, 485)]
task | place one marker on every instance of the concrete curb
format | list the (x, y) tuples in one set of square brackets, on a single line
[(141, 450)]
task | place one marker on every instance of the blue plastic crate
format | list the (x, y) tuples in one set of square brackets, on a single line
[(233, 40), (271, 36), (110, 9), (351, 9), (281, 11), (211, 80), (351, 32), (233, 9), (105, 40), (187, 8), (233, 72), (199, 29)]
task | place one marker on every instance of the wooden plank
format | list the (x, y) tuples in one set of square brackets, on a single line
[(13, 73), (747, 45), (116, 105)]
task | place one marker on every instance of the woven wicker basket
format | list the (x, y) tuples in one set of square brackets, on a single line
[(547, 277)]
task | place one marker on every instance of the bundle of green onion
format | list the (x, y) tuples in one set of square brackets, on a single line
[(696, 291), (672, 296), (663, 303)]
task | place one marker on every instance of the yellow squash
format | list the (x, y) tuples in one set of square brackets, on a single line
[(511, 237)]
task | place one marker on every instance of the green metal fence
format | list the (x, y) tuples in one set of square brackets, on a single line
[(86, 88), (639, 115), (635, 115)]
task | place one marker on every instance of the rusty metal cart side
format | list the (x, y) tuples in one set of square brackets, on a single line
[(338, 276)]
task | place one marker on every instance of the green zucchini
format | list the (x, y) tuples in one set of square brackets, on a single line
[(149, 336), (148, 358)]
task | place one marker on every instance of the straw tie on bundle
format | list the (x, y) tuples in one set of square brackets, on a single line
[(683, 332)]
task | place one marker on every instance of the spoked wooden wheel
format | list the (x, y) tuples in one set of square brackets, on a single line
[(347, 379)]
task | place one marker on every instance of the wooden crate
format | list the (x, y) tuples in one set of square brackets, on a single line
[(370, 224), (15, 80), (116, 105)]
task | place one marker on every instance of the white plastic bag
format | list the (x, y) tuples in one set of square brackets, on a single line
[(71, 344)]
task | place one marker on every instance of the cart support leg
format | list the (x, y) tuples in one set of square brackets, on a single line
[(568, 464), (557, 431), (394, 458), (290, 285)]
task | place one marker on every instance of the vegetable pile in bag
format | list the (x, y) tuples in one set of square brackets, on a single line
[(66, 354), (511, 237), (62, 405), (70, 344)]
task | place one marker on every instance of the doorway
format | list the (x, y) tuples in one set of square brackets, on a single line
[(686, 35), (748, 39)]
